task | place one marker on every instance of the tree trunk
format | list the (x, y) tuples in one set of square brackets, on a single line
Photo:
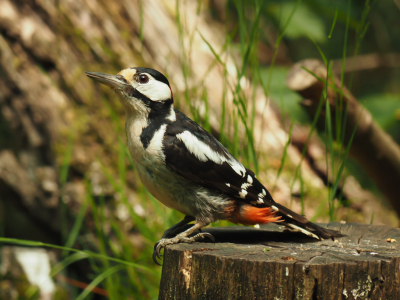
[(285, 265)]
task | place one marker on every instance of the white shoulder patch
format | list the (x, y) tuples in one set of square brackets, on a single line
[(172, 115), (154, 149), (204, 153)]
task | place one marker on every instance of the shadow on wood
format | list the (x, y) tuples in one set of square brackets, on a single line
[(267, 263)]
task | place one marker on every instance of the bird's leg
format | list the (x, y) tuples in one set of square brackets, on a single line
[(178, 227), (183, 237), (173, 231)]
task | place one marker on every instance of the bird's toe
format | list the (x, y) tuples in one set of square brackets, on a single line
[(175, 240)]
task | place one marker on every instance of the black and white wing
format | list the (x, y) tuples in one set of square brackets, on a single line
[(197, 156)]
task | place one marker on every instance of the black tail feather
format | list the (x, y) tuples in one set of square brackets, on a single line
[(311, 229), (295, 222)]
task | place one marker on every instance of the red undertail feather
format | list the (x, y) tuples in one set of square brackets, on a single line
[(251, 215)]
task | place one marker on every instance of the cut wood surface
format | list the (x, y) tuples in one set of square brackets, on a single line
[(267, 263)]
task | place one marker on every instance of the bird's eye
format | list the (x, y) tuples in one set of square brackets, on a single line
[(143, 79)]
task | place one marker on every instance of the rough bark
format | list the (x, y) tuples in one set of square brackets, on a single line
[(285, 265), (372, 147)]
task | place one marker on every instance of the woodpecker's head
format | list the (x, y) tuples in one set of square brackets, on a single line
[(141, 90)]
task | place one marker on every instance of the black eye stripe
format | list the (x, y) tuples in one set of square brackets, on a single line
[(132, 92)]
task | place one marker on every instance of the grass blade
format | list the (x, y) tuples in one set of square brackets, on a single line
[(99, 279), (334, 21), (67, 261), (76, 227), (284, 155), (340, 171), (88, 253)]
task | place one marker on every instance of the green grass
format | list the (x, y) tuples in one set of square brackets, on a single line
[(124, 268)]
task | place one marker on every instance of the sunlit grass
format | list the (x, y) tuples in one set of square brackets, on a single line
[(125, 268)]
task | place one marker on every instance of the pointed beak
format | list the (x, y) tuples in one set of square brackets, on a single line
[(112, 81)]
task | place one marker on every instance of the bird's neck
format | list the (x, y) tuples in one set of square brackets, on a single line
[(153, 111), (142, 126), (161, 111)]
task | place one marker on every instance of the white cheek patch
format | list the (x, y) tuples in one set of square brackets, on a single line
[(204, 153), (154, 90)]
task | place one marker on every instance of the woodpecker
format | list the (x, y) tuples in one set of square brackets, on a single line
[(187, 169)]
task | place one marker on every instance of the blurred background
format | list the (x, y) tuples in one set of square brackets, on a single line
[(75, 220)]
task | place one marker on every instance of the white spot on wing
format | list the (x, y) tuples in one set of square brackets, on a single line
[(260, 201), (264, 192), (242, 194), (228, 184), (274, 208), (261, 195), (297, 228), (245, 185), (204, 153), (249, 182)]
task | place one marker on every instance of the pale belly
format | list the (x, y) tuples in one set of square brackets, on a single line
[(177, 193), (163, 185)]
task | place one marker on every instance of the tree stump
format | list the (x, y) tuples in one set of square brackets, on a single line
[(269, 263)]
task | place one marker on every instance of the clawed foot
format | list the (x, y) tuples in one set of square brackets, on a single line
[(174, 231), (175, 240)]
